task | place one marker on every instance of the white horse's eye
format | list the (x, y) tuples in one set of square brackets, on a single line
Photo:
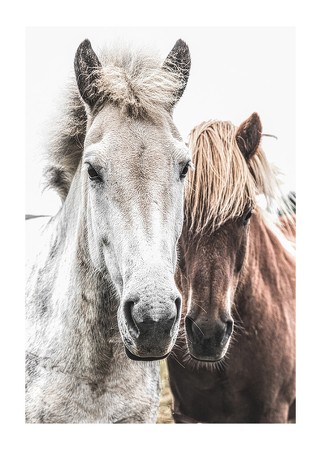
[(185, 170), (93, 175)]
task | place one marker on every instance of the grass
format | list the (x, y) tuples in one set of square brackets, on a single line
[(164, 413)]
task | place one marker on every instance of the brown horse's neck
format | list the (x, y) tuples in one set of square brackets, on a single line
[(268, 262)]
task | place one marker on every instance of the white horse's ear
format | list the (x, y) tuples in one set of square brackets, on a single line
[(248, 136), (179, 60), (87, 65)]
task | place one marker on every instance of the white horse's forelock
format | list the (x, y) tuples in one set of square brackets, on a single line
[(135, 82)]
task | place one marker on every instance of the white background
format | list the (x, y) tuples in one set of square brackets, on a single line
[(18, 15), (235, 71)]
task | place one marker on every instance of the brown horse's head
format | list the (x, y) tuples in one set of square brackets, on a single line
[(210, 271), (213, 245)]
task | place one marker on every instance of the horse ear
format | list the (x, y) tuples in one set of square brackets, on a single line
[(86, 64), (179, 60), (248, 136)]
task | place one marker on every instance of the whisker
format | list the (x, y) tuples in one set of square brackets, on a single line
[(199, 306), (197, 326), (172, 355)]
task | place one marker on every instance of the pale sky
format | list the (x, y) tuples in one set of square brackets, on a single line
[(235, 71)]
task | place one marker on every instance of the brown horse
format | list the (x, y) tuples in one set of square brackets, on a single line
[(234, 360)]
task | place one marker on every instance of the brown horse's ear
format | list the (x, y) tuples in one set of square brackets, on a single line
[(86, 64), (179, 60), (248, 136)]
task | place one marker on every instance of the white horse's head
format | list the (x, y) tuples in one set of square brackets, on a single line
[(133, 170)]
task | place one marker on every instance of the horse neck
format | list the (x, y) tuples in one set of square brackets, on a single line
[(81, 307), (269, 264)]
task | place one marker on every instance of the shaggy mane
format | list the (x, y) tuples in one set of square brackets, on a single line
[(223, 185), (135, 82)]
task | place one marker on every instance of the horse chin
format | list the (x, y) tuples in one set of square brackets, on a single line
[(147, 358), (208, 359), (198, 353)]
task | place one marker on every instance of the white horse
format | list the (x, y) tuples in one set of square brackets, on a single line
[(101, 294)]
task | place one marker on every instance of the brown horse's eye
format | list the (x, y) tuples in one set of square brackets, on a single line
[(93, 175), (246, 216)]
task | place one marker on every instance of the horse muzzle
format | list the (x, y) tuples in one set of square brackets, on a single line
[(149, 329), (208, 343)]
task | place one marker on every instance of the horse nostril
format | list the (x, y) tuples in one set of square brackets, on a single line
[(128, 314), (178, 304), (229, 327), (202, 333), (193, 330), (143, 320), (176, 318)]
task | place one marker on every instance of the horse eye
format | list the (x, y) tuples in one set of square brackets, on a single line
[(246, 216), (185, 170), (93, 175)]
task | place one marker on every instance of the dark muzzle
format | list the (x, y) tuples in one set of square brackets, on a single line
[(207, 341)]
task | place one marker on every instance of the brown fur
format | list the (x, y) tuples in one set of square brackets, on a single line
[(255, 382)]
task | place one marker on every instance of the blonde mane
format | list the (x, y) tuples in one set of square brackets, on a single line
[(223, 184)]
